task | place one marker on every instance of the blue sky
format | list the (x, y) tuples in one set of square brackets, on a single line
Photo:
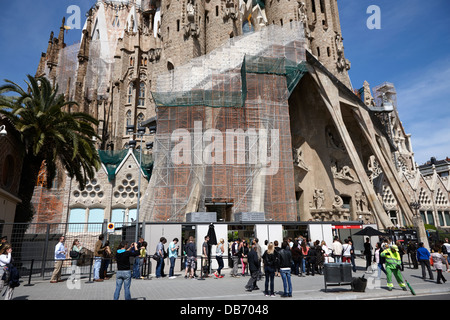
[(411, 50)]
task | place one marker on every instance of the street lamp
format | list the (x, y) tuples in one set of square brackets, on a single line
[(416, 206), (3, 131), (132, 144)]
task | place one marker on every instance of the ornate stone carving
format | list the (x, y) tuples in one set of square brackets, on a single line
[(191, 28), (338, 203), (361, 202), (373, 168), (319, 198), (345, 173), (230, 10), (298, 159), (342, 63)]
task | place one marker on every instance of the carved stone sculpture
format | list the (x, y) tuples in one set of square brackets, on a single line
[(298, 159), (319, 198), (361, 202), (338, 203)]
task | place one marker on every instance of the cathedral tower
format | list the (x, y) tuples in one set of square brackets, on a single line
[(323, 30)]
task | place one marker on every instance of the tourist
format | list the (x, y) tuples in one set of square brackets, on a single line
[(296, 258), (259, 253), (438, 263), (76, 247), (220, 249), (60, 256), (411, 249), (123, 274), (270, 258), (235, 257), (336, 248), (311, 260), (346, 252), (98, 257), (423, 256), (254, 266), (5, 259), (447, 247), (191, 258), (161, 255), (243, 253), (304, 248), (106, 260), (137, 261), (173, 254), (368, 253), (326, 251), (378, 259), (285, 269)]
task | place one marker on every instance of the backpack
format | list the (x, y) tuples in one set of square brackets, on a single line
[(12, 276)]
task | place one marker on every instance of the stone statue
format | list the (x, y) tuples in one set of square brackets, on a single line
[(361, 201), (298, 159), (319, 198), (338, 203)]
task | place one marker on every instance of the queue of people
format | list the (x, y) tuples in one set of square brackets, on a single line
[(299, 257)]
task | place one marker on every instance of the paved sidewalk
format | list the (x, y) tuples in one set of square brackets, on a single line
[(227, 288)]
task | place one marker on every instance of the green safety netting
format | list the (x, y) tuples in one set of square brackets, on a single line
[(146, 163), (230, 89), (112, 159)]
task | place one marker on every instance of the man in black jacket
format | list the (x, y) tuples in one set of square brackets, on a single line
[(285, 268), (254, 266)]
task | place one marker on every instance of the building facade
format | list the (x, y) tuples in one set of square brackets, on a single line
[(344, 154)]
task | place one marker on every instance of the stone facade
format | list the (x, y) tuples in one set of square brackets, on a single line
[(351, 160)]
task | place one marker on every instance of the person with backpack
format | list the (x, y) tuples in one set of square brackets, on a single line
[(271, 261), (8, 273)]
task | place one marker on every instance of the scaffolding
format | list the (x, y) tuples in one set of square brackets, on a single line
[(99, 70), (66, 73), (223, 136)]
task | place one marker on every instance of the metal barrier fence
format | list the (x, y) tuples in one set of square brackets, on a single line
[(33, 248), (33, 244)]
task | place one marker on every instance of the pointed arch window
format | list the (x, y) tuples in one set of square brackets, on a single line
[(140, 119), (130, 93), (141, 94)]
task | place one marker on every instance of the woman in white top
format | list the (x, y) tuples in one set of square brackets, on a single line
[(347, 252), (326, 251), (5, 259), (220, 249)]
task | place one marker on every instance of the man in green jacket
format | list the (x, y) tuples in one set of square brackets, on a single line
[(393, 263)]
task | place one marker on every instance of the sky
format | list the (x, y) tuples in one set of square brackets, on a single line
[(411, 49)]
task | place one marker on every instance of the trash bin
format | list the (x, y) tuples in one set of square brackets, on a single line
[(337, 274)]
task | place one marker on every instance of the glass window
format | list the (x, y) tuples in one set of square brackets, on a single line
[(430, 217), (142, 94), (118, 217), (441, 218), (447, 218), (77, 218), (132, 214), (96, 217)]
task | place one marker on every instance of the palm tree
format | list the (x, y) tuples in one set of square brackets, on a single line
[(49, 134)]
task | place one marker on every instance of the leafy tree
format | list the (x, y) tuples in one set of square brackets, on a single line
[(48, 133)]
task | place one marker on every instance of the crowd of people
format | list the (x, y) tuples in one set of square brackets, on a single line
[(295, 257)]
